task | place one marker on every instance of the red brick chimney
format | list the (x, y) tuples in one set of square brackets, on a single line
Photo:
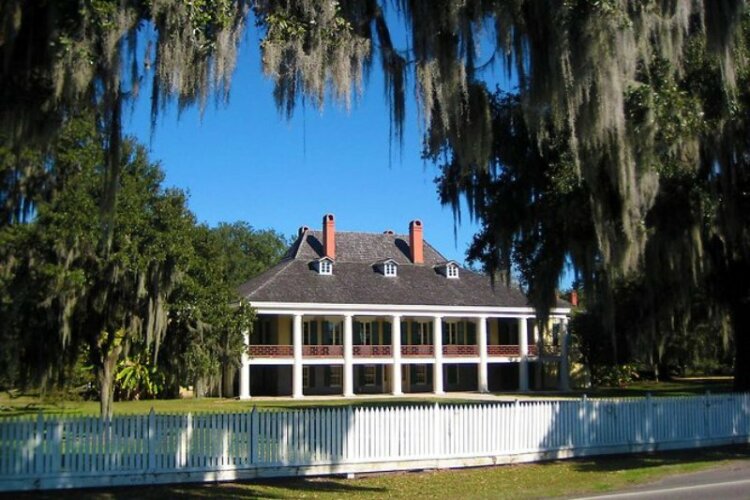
[(416, 246), (574, 298), (329, 236)]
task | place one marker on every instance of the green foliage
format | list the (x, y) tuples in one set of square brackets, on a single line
[(72, 294), (613, 376), (137, 378), (207, 320)]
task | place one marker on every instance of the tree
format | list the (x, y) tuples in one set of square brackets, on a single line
[(601, 76), (205, 335), (105, 295)]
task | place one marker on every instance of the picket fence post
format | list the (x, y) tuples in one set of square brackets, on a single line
[(649, 417), (707, 414), (252, 439), (585, 421), (151, 440), (437, 435)]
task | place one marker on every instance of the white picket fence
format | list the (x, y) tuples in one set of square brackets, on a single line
[(64, 452)]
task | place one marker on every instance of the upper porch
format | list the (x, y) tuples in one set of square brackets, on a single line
[(322, 336)]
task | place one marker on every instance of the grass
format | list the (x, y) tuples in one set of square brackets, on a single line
[(25, 405), (541, 480), (33, 405)]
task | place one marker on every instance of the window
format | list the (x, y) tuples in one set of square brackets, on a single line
[(310, 332), (262, 331), (332, 333), (306, 377), (370, 374), (452, 374), (364, 333), (420, 374), (336, 376), (389, 269), (450, 334), (451, 271), (448, 269), (422, 333), (325, 267)]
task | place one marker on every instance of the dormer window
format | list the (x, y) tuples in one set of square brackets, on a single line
[(324, 266), (387, 267), (448, 269), (452, 271)]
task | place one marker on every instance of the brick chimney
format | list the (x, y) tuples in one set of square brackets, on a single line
[(574, 298), (329, 236), (416, 246)]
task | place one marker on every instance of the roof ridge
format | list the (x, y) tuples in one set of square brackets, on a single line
[(298, 244), (383, 233), (427, 243), (274, 275)]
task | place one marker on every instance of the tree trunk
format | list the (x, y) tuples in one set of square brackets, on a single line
[(199, 387), (228, 380), (106, 377)]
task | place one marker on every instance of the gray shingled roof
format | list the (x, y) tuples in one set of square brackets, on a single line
[(362, 247), (356, 281)]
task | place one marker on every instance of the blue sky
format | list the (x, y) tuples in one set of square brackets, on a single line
[(245, 161)]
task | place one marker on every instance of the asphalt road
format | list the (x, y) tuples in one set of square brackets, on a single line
[(727, 482)]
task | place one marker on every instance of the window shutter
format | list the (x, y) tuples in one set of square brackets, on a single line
[(446, 339), (404, 333), (314, 332), (386, 333), (375, 340), (357, 333), (471, 333)]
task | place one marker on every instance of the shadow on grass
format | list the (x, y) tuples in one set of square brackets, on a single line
[(269, 488), (613, 463)]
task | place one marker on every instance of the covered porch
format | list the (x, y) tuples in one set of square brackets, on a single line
[(327, 352)]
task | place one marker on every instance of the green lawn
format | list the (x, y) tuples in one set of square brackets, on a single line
[(32, 405), (552, 479)]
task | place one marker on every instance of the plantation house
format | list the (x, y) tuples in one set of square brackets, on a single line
[(363, 313)]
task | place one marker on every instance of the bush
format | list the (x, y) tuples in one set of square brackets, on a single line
[(614, 376)]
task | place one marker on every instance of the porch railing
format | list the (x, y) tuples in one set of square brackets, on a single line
[(323, 351), (509, 350), (460, 350), (270, 351), (371, 351), (375, 351), (417, 350)]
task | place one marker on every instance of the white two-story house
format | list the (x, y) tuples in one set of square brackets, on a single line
[(361, 313)]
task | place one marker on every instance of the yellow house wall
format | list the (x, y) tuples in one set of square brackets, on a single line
[(494, 332), (284, 329)]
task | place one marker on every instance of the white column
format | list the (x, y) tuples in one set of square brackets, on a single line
[(245, 368), (482, 344), (523, 344), (297, 368), (348, 358), (396, 348), (564, 366), (437, 367)]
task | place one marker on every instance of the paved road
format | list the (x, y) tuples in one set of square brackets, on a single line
[(727, 482)]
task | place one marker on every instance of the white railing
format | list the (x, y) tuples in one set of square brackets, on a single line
[(63, 452)]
